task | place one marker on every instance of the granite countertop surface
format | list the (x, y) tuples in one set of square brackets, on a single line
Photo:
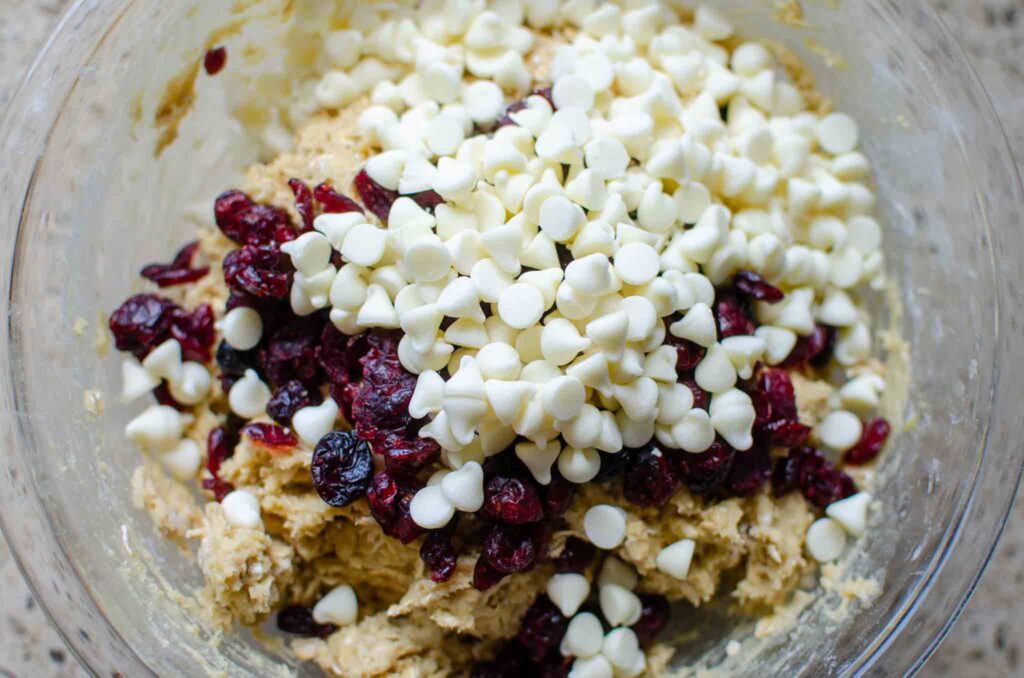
[(986, 641)]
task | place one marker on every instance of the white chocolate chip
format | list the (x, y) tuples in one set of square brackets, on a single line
[(243, 328), (430, 509), (136, 380), (314, 422), (538, 458), (851, 513), (183, 460), (605, 526), (339, 607), (521, 305), (619, 605), (464, 488), (839, 430), (674, 560), (242, 509), (568, 591), (249, 396), (826, 540)]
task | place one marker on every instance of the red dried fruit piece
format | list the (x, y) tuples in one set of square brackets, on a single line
[(688, 355), (248, 223), (298, 620), (732, 316), (655, 612), (303, 202), (215, 59), (389, 504), (872, 440), (260, 271), (376, 198), (701, 398), (439, 554), (824, 356), (291, 352), (613, 464), (783, 433), (808, 348), (778, 388), (704, 472), (220, 446), (749, 471), (649, 479), (815, 476), (510, 548), (428, 200), (755, 287), (512, 500), (484, 575), (333, 202), (558, 496), (271, 436), (141, 323), (542, 628), (762, 406), (218, 487), (232, 362), (289, 399), (195, 332), (340, 355), (227, 208), (576, 556), (341, 468), (407, 454), (179, 271)]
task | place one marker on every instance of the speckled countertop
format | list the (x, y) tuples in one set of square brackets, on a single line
[(986, 641)]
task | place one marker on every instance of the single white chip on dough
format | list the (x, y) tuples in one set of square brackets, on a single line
[(339, 607), (674, 560), (568, 591), (242, 509), (851, 513), (826, 540), (605, 526)]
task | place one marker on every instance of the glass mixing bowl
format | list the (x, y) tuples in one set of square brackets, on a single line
[(85, 200)]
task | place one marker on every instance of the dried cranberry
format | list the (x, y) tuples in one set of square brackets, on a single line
[(755, 287), (688, 355), (654, 616), (704, 472), (248, 223), (558, 496), (576, 556), (261, 271), (649, 480), (613, 464), (334, 202), (778, 388), (762, 406), (749, 471), (270, 435), (872, 440), (406, 454), (178, 271), (215, 59), (382, 407), (291, 352), (299, 620), (195, 332), (542, 628), (512, 500), (389, 504), (218, 487), (701, 398), (784, 433), (220, 446), (339, 355), (510, 548), (141, 323), (555, 665), (303, 202), (484, 575), (233, 362), (439, 554), (512, 662), (428, 200), (809, 348), (732, 316), (815, 476), (227, 208), (824, 356), (376, 198), (341, 468), (289, 399)]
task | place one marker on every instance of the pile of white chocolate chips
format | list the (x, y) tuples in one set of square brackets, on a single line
[(584, 230)]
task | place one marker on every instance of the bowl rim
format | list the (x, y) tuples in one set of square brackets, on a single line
[(15, 133)]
